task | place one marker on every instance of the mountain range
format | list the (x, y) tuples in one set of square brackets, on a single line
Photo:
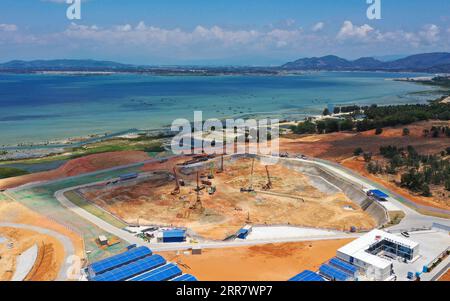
[(427, 62), (438, 62)]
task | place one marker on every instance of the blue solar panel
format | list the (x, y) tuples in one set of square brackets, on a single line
[(333, 273), (185, 277), (119, 260), (132, 269), (344, 266), (163, 273), (307, 276)]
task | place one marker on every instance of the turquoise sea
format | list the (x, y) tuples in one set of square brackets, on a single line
[(36, 107)]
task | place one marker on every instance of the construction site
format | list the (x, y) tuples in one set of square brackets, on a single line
[(214, 196)]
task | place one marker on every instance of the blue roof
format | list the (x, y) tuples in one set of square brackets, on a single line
[(344, 266), (174, 233), (185, 277), (333, 273), (307, 276), (242, 231), (110, 263), (132, 269), (163, 273), (379, 194)]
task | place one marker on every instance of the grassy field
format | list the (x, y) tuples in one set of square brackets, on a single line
[(153, 146), (89, 207), (8, 172)]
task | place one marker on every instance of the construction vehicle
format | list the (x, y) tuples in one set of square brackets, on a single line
[(206, 182), (268, 186), (177, 189), (212, 190), (250, 187)]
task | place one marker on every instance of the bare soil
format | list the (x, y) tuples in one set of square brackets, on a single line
[(273, 262), (292, 200)]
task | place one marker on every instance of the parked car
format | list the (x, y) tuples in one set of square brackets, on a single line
[(406, 234)]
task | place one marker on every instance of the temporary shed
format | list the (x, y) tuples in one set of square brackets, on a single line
[(170, 236), (380, 195)]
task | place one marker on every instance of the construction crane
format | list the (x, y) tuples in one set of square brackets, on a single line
[(211, 171), (177, 190), (221, 170), (250, 187), (198, 203), (268, 186)]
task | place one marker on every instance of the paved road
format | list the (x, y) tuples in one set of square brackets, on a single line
[(69, 249)]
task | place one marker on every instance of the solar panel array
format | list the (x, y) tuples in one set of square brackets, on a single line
[(333, 273), (343, 266), (307, 276), (119, 260), (163, 273), (132, 269), (185, 277)]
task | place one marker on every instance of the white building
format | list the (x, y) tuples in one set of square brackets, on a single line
[(373, 253)]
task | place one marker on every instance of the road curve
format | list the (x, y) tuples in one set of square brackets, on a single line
[(69, 249)]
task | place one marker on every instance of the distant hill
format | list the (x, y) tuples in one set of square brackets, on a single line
[(64, 65), (427, 62)]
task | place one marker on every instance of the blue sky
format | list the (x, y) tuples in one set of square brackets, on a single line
[(244, 32)]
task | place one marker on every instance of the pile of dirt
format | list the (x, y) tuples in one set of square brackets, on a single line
[(49, 260)]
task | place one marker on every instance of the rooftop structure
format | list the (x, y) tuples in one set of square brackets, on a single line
[(307, 276), (176, 235), (374, 251), (378, 194), (132, 269), (162, 273), (119, 260), (185, 277)]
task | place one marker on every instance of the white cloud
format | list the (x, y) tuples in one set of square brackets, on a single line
[(318, 26), (348, 30), (430, 33), (8, 27)]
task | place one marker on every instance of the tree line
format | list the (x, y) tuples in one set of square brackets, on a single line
[(421, 170), (376, 117)]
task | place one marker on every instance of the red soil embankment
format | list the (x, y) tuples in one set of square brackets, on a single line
[(79, 166)]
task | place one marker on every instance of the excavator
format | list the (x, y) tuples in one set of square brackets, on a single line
[(250, 187), (268, 186)]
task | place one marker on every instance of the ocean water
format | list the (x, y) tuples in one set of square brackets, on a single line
[(36, 107)]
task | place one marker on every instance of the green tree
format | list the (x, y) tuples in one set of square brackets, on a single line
[(367, 157), (406, 132), (358, 151), (378, 131)]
